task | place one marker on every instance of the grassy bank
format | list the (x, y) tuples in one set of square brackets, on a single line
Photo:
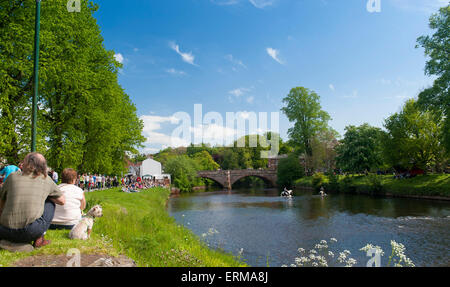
[(433, 185), (138, 226)]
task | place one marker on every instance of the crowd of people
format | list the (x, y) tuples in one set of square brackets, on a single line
[(137, 183), (31, 201), (90, 182)]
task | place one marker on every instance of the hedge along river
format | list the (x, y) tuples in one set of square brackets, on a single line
[(268, 229)]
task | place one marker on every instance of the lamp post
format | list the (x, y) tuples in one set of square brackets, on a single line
[(36, 75)]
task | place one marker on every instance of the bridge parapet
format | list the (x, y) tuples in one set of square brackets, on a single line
[(228, 177)]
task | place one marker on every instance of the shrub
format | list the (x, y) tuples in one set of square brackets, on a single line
[(376, 185), (346, 185), (333, 182), (319, 180), (289, 170)]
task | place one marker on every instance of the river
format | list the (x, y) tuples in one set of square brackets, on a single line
[(270, 229)]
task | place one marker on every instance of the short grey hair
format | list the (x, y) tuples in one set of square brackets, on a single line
[(35, 164)]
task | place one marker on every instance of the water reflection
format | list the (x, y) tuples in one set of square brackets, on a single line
[(262, 222)]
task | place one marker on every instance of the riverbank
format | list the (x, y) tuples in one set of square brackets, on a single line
[(433, 186), (136, 225)]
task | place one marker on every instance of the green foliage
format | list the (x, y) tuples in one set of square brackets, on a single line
[(184, 172), (361, 149), (85, 119), (346, 185), (376, 183), (319, 180), (413, 139), (437, 48), (205, 161), (333, 182), (302, 107), (289, 170)]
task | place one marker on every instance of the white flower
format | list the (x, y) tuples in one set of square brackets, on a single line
[(331, 254), (370, 247), (342, 257), (350, 262), (301, 250), (333, 239)]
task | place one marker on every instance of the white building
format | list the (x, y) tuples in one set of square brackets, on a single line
[(148, 168)]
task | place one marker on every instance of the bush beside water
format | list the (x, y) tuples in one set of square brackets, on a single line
[(422, 185)]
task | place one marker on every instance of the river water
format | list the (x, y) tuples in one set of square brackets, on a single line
[(270, 229)]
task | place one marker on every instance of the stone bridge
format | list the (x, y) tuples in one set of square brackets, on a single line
[(227, 178)]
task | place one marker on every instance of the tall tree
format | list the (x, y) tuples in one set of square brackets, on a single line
[(413, 139), (437, 48), (85, 119), (361, 149), (302, 106)]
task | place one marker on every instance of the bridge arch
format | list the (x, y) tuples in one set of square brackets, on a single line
[(266, 179), (216, 180)]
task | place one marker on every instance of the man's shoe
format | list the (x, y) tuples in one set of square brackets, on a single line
[(40, 242), (16, 247)]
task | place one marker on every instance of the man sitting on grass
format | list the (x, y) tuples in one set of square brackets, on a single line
[(27, 205)]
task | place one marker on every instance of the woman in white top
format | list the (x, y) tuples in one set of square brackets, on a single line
[(69, 214)]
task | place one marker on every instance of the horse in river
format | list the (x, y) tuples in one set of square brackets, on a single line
[(286, 193)]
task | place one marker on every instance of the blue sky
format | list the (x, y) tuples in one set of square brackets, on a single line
[(246, 55)]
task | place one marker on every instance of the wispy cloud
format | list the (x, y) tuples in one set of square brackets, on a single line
[(261, 4), (235, 61), (175, 72), (187, 57), (331, 86), (152, 127), (275, 55), (239, 92)]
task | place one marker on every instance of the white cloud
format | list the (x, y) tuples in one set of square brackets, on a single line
[(215, 134), (175, 72), (187, 57), (275, 55), (262, 3), (239, 92), (332, 87), (119, 58), (152, 125), (235, 61), (250, 99)]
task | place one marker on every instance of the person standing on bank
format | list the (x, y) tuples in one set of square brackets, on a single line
[(27, 204)]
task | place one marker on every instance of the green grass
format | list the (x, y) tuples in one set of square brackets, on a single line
[(422, 185), (138, 226), (141, 228), (60, 245)]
